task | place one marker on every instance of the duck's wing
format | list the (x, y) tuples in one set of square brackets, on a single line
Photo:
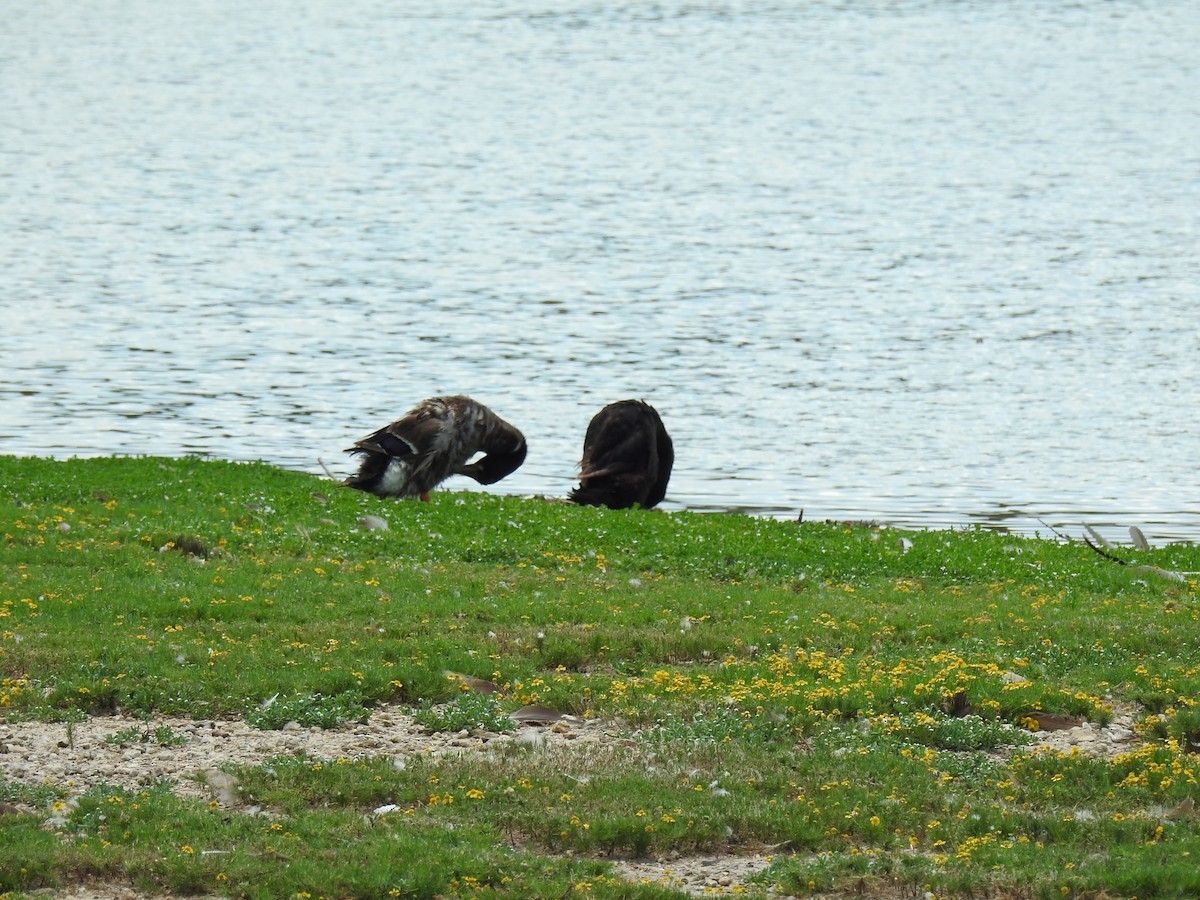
[(386, 442), (414, 435)]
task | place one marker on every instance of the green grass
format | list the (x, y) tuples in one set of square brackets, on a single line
[(782, 685), (468, 711)]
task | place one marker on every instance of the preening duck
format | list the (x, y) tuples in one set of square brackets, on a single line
[(627, 458), (433, 441)]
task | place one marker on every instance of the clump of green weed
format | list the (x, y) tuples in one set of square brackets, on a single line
[(36, 795), (1180, 725), (963, 734), (309, 710), (726, 725), (163, 735), (466, 712)]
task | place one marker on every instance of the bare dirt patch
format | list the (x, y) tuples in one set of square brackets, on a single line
[(81, 755)]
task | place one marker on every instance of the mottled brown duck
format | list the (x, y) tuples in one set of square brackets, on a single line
[(431, 442)]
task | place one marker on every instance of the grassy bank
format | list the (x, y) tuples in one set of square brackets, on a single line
[(843, 694)]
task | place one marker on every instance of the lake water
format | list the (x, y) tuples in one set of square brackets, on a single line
[(931, 263)]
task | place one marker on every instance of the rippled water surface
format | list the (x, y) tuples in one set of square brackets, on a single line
[(933, 263)]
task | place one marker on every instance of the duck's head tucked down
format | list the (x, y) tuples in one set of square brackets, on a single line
[(627, 458), (433, 441)]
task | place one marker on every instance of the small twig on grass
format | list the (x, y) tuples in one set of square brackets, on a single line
[(1150, 570), (1058, 534), (1105, 553), (1168, 574), (1097, 536), (1095, 546)]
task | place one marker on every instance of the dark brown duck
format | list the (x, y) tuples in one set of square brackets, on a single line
[(627, 458)]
